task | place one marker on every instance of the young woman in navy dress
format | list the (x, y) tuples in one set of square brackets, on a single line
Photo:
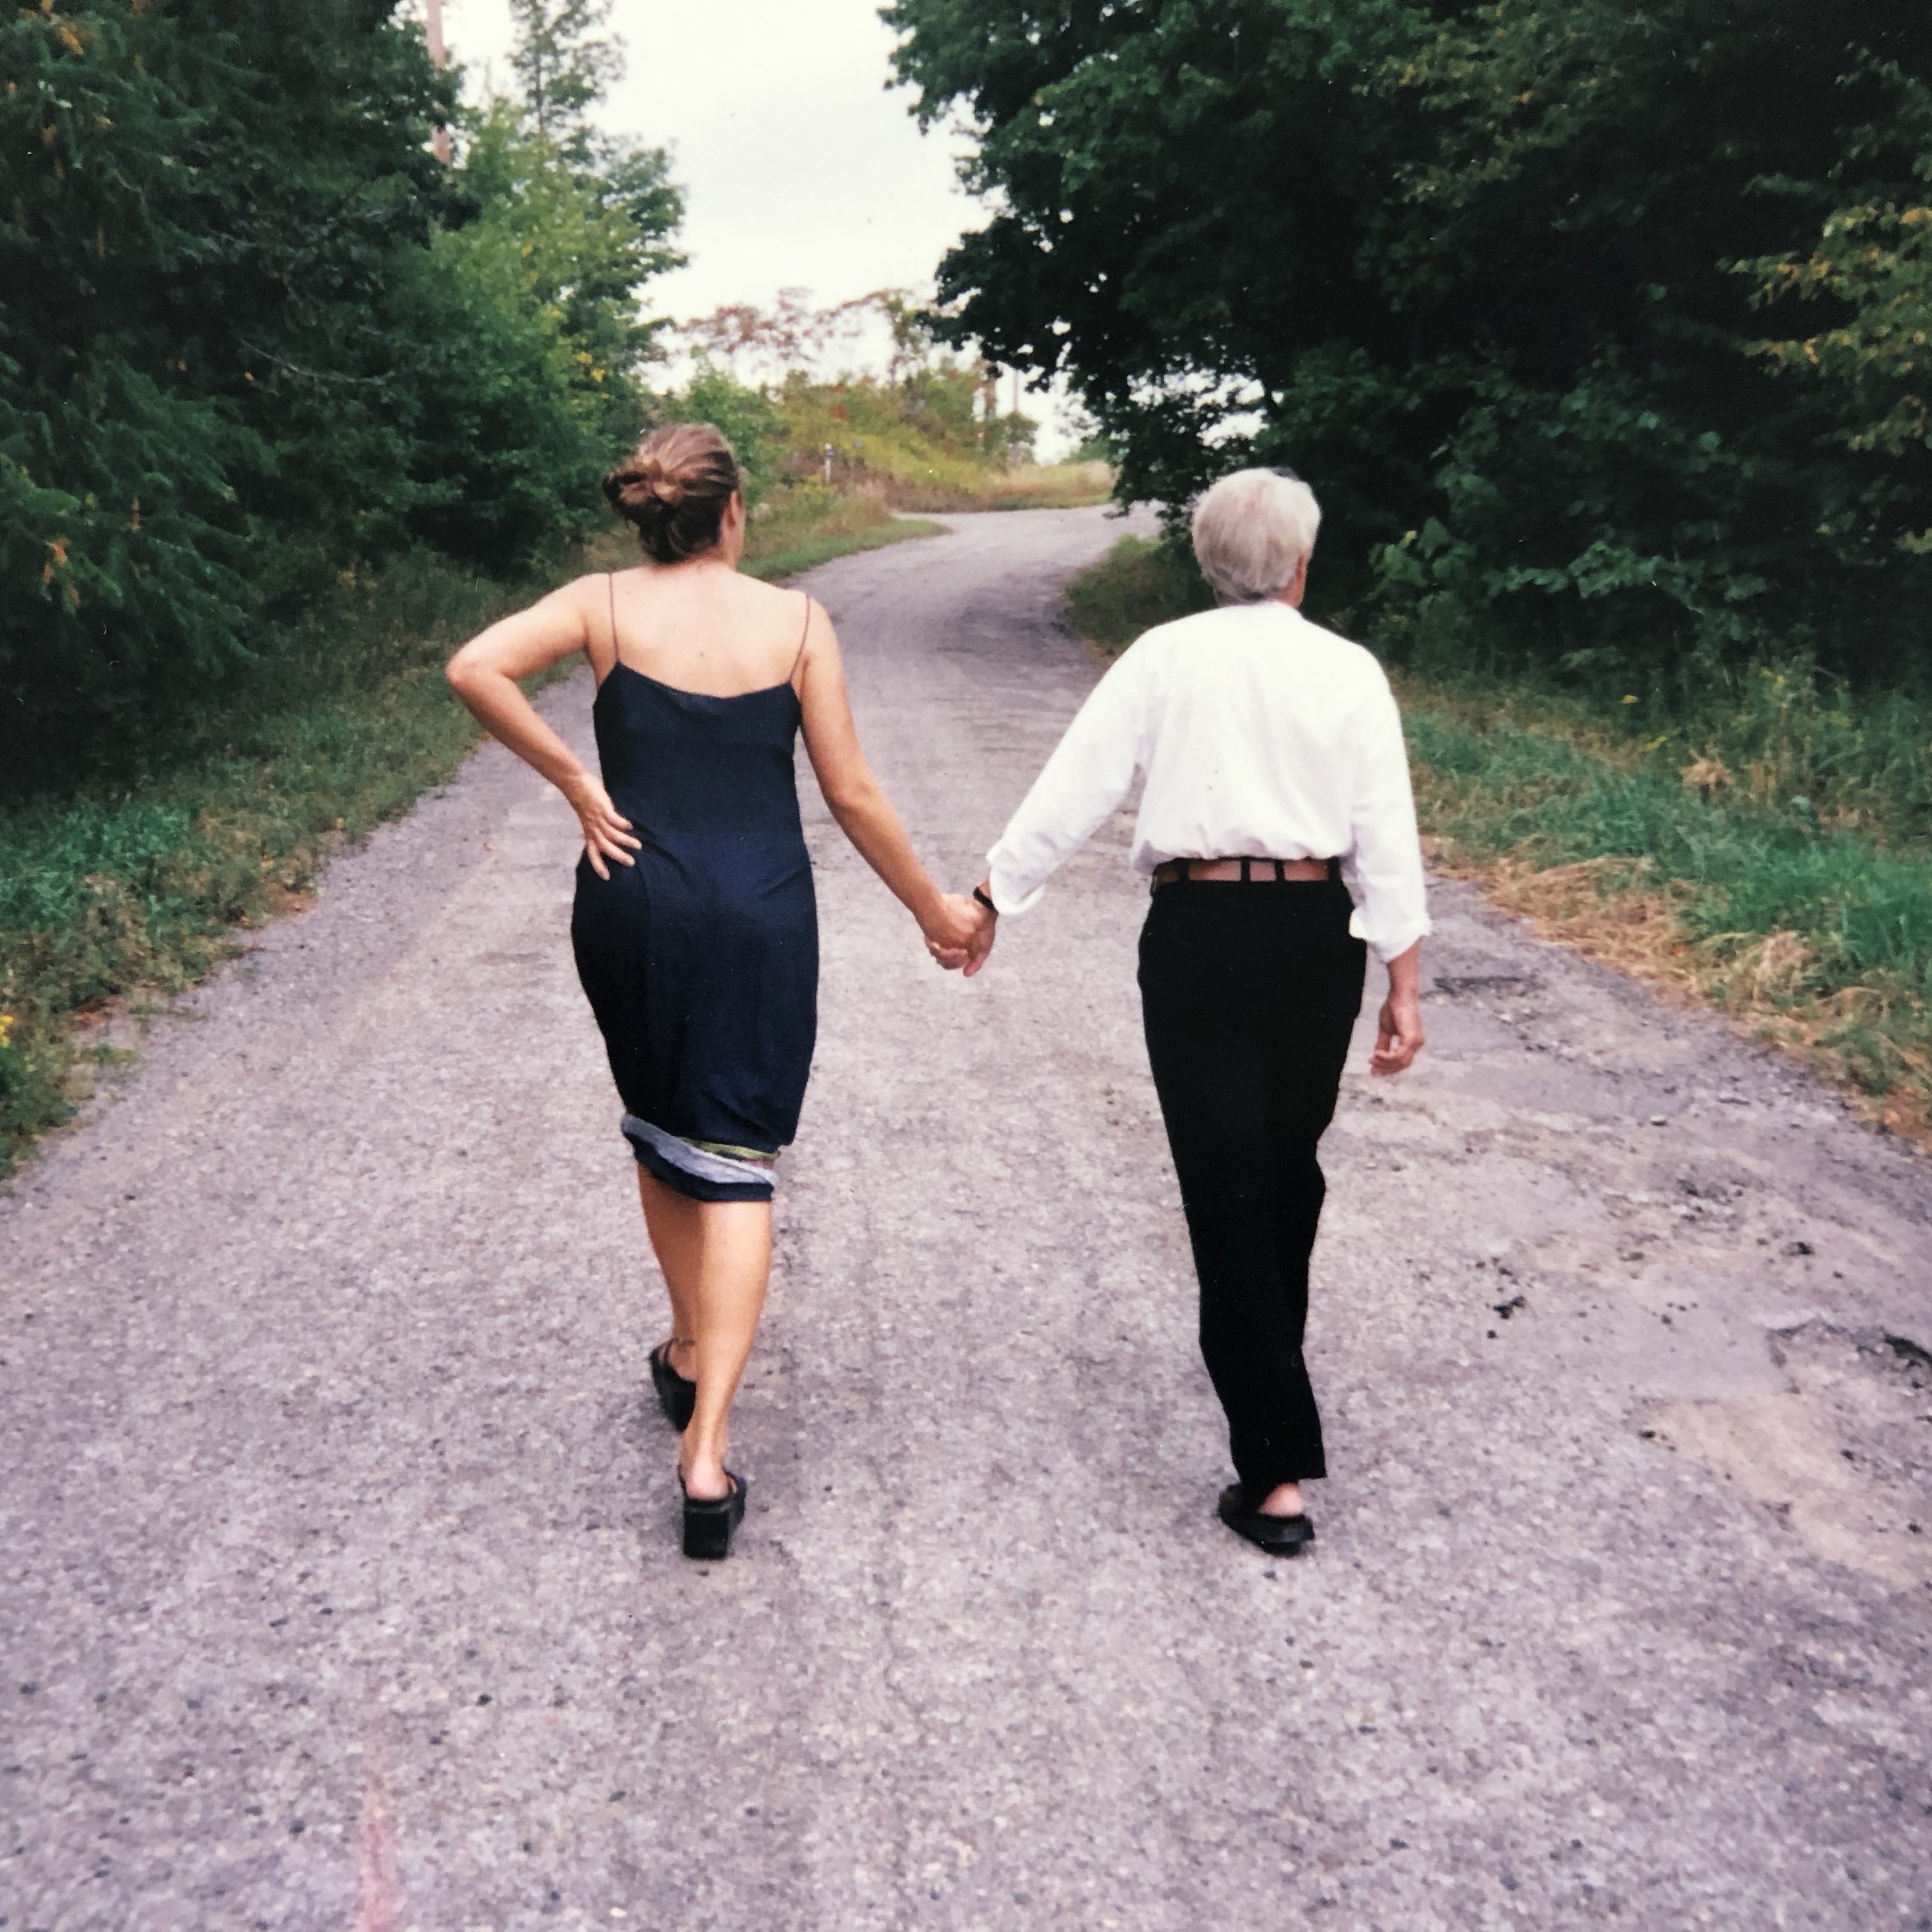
[(694, 927)]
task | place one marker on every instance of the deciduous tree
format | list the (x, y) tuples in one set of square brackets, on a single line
[(1474, 269)]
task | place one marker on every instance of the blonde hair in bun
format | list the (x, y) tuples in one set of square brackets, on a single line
[(674, 491)]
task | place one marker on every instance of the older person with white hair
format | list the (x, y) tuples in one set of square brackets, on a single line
[(1278, 827)]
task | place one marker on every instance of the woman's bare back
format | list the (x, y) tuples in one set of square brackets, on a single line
[(707, 630)]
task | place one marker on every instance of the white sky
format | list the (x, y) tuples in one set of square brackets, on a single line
[(800, 169)]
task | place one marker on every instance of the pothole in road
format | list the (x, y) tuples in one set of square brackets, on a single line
[(1844, 1455), (1486, 986)]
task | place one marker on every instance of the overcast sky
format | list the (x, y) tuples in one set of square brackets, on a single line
[(800, 169)]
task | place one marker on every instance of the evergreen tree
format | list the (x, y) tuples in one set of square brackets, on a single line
[(562, 62)]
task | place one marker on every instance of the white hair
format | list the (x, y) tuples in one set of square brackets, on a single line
[(1252, 532)]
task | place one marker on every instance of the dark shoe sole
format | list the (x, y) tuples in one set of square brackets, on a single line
[(710, 1525), (676, 1396), (1279, 1535)]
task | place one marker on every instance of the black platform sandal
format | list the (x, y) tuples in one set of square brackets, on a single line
[(710, 1523), (1279, 1535), (677, 1396)]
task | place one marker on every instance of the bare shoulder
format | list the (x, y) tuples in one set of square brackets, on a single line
[(790, 617), (757, 598), (749, 600), (585, 594)]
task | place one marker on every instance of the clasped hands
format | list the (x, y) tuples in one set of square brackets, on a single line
[(959, 933)]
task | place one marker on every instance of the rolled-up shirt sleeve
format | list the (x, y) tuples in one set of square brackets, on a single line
[(1384, 867), (1092, 769)]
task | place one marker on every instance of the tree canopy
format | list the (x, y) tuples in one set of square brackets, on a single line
[(254, 335), (1600, 330)]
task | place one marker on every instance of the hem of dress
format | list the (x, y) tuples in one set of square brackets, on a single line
[(696, 1172), (693, 1186)]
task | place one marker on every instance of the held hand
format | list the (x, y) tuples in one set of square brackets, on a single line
[(970, 945), (1399, 1034), (607, 833), (982, 943), (952, 931)]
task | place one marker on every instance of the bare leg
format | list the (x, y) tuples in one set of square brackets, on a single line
[(676, 1234), (735, 1265), (717, 1258)]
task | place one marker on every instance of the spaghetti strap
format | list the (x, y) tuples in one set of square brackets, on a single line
[(610, 581), (802, 635)]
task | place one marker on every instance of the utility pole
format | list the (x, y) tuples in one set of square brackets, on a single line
[(438, 56)]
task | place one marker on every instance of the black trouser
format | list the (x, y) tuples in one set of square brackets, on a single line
[(1250, 992)]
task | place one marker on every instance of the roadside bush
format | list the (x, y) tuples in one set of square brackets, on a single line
[(256, 340), (342, 718)]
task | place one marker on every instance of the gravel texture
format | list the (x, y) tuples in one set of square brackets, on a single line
[(338, 1579)]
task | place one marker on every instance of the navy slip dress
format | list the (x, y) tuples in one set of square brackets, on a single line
[(700, 961)]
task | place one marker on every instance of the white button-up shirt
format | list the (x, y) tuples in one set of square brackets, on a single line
[(1259, 734)]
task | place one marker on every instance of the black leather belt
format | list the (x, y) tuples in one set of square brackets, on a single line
[(1246, 872)]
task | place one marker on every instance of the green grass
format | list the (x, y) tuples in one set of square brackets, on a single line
[(1768, 849), (1140, 583), (113, 896), (797, 529), (810, 555), (1821, 935), (1032, 486)]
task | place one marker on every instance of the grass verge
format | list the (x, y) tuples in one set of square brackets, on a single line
[(1033, 486), (1689, 858), (109, 899), (106, 899), (1140, 582), (798, 528)]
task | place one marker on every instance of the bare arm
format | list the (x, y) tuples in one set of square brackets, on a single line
[(1399, 1026), (859, 804), (484, 673)]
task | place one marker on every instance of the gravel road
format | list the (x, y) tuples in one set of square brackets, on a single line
[(340, 1583)]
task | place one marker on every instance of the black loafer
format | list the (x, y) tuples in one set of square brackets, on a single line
[(1279, 1535), (676, 1396), (709, 1524)]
